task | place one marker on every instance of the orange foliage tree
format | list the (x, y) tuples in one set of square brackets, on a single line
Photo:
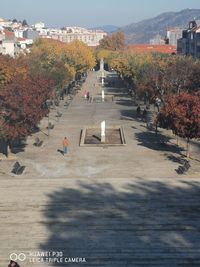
[(181, 114), (113, 42)]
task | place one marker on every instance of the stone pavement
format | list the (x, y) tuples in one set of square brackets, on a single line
[(116, 206)]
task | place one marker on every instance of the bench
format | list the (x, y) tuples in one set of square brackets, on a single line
[(17, 168), (38, 142), (50, 126), (59, 114), (184, 168)]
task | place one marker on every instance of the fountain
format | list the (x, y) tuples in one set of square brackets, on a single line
[(102, 81), (102, 65), (95, 136), (103, 132), (102, 95)]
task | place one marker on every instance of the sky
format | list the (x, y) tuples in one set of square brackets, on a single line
[(89, 13)]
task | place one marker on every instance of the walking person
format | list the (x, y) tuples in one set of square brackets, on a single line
[(85, 95), (144, 115), (88, 96), (158, 103), (138, 111), (65, 145)]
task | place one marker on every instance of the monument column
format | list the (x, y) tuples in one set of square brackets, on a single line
[(102, 65)]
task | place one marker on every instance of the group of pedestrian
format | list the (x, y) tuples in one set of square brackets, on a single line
[(144, 115)]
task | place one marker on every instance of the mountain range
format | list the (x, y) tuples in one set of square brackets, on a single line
[(143, 31), (107, 28)]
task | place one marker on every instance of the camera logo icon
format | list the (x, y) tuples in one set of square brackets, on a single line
[(17, 257)]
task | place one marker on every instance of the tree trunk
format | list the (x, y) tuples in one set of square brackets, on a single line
[(156, 128), (8, 151), (4, 147)]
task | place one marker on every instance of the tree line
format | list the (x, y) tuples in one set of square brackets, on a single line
[(29, 80), (173, 79)]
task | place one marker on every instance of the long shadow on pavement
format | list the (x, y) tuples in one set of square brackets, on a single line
[(156, 142), (125, 102), (145, 224)]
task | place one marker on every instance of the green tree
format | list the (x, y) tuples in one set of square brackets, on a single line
[(24, 23)]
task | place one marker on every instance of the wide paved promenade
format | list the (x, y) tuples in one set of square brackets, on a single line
[(116, 206)]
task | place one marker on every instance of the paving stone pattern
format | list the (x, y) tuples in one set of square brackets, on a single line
[(116, 206)]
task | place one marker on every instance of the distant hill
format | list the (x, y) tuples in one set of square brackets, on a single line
[(107, 28), (143, 31)]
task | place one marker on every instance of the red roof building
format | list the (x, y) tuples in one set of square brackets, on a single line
[(8, 35), (146, 48)]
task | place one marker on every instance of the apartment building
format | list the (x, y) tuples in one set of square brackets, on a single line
[(7, 43), (189, 43), (173, 34), (70, 34)]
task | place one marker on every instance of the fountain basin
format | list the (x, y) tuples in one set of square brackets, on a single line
[(107, 98), (91, 137)]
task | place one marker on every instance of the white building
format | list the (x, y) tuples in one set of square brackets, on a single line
[(19, 33), (5, 23), (12, 45), (24, 43), (8, 47), (70, 34), (7, 43), (173, 35), (16, 25), (157, 40), (39, 25)]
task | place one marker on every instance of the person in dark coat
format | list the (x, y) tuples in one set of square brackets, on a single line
[(13, 264), (88, 96), (138, 111), (144, 114)]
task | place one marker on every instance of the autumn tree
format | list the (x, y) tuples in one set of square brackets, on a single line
[(181, 114), (193, 83), (80, 56), (60, 62), (157, 74), (46, 59), (12, 67), (102, 54), (114, 42), (22, 106), (27, 81), (177, 73), (7, 69)]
